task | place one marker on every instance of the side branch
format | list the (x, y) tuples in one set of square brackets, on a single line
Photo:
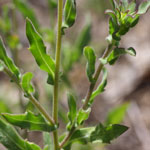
[(97, 74), (89, 93), (30, 97)]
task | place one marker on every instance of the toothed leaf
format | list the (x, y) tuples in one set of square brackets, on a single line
[(105, 134), (29, 121), (38, 50), (11, 139)]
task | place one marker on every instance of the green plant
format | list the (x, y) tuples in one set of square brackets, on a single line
[(123, 17)]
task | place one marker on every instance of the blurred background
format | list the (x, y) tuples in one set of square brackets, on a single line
[(128, 79)]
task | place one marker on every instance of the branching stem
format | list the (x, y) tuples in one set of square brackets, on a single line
[(30, 97), (98, 71), (89, 93)]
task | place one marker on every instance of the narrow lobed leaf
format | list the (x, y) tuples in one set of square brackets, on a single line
[(7, 61), (69, 14), (105, 134), (26, 85), (100, 133), (91, 59), (11, 139), (38, 50), (29, 121)]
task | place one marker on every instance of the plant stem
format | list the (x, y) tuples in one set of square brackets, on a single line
[(57, 59), (30, 97), (41, 109), (67, 137), (89, 93)]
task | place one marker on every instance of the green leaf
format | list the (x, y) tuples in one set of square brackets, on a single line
[(69, 14), (105, 134), (134, 21), (113, 29), (7, 61), (72, 108), (81, 135), (117, 52), (48, 143), (26, 11), (131, 51), (11, 139), (29, 121), (100, 133), (116, 115), (143, 8), (38, 50), (83, 115), (26, 85), (100, 88), (91, 59)]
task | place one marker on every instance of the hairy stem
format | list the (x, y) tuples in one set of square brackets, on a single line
[(57, 59), (30, 97), (89, 93)]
